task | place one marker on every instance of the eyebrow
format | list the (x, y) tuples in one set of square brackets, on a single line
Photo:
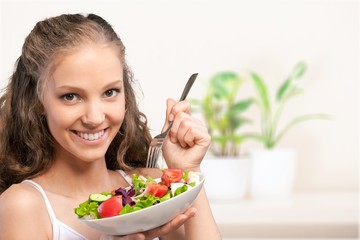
[(79, 89)]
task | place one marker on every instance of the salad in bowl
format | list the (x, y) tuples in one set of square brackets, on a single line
[(146, 204)]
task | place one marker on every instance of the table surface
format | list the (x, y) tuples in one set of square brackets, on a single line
[(303, 215)]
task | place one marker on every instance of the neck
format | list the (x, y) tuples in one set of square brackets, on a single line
[(74, 178)]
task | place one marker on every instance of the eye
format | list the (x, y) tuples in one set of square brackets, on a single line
[(69, 97), (112, 92)]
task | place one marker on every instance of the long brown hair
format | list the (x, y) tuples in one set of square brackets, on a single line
[(26, 145)]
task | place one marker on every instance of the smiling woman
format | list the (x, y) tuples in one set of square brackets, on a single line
[(69, 121)]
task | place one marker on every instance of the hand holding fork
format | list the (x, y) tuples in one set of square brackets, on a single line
[(157, 142)]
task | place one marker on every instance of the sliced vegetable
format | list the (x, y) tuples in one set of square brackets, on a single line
[(157, 190), (99, 197), (88, 209), (110, 207), (174, 187), (181, 189), (171, 176)]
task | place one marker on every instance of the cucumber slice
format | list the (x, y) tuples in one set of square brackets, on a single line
[(98, 197)]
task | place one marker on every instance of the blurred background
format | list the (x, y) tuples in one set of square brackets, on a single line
[(167, 41)]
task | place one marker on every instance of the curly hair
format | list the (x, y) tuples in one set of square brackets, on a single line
[(26, 145)]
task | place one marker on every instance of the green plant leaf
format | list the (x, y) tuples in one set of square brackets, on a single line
[(288, 84), (237, 122), (224, 84), (299, 70), (240, 106), (262, 91), (282, 90), (238, 139), (214, 125), (208, 107)]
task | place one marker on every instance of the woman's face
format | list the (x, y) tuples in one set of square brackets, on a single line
[(84, 102)]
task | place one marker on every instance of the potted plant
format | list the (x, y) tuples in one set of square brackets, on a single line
[(273, 169), (224, 115)]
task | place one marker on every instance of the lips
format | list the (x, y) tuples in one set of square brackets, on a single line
[(91, 136)]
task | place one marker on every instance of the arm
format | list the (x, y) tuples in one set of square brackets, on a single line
[(185, 148), (203, 225)]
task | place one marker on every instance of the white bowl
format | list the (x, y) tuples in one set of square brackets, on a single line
[(147, 218)]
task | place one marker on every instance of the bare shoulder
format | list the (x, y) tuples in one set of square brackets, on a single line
[(19, 196), (22, 207)]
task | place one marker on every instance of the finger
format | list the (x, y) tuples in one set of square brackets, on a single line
[(178, 221), (189, 130), (183, 106), (181, 124), (136, 236), (185, 134), (168, 117), (197, 135), (172, 225), (176, 112)]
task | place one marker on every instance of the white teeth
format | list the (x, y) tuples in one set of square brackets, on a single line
[(91, 136)]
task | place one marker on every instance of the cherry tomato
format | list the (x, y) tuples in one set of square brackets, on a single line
[(171, 176), (110, 207), (157, 190)]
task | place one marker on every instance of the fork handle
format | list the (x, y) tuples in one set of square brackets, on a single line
[(184, 94), (164, 133), (188, 86)]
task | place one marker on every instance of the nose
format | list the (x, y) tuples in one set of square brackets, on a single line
[(93, 115)]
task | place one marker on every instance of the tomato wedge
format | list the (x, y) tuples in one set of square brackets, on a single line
[(157, 190), (110, 207), (171, 176)]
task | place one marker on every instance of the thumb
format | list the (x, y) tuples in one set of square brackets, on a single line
[(169, 117)]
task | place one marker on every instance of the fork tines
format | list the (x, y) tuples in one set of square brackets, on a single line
[(153, 153)]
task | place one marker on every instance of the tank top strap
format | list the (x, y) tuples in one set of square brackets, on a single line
[(52, 216), (46, 200), (126, 176), (70, 234)]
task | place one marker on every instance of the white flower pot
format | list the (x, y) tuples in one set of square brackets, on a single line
[(225, 177), (272, 173)]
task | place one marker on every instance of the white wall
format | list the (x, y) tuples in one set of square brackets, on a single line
[(169, 40)]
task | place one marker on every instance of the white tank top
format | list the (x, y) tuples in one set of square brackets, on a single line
[(61, 231)]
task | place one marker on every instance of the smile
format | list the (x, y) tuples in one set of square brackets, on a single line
[(91, 136)]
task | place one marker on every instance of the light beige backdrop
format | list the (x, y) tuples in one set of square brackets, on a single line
[(168, 40)]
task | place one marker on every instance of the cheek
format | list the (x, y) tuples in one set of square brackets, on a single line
[(57, 121)]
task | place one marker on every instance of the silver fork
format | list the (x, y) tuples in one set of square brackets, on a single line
[(157, 142)]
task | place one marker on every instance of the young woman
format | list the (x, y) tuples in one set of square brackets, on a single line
[(69, 120)]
